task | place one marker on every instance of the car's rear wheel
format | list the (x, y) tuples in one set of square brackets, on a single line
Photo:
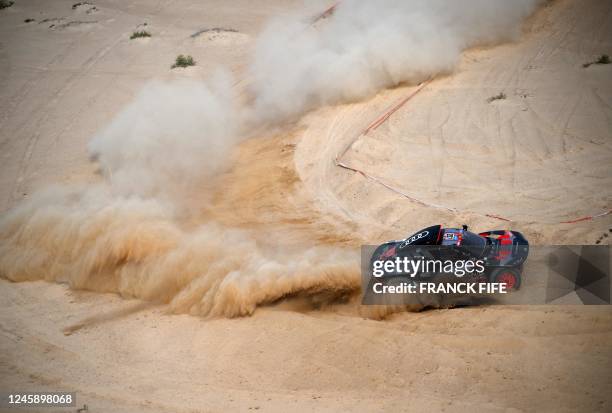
[(508, 276)]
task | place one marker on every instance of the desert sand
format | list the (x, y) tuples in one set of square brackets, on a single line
[(538, 157)]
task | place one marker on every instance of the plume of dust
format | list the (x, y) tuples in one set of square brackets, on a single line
[(367, 46), (98, 241), (171, 137), (129, 236)]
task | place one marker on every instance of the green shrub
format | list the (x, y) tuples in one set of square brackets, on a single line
[(183, 61), (6, 3), (501, 96), (604, 59), (140, 33)]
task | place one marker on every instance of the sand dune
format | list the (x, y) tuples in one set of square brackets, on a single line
[(538, 157)]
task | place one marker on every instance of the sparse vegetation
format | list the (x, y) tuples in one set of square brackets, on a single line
[(501, 96), (81, 3), (604, 59), (183, 61), (5, 3), (140, 33), (90, 7)]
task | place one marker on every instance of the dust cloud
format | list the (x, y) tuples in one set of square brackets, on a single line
[(371, 45), (98, 241), (133, 234)]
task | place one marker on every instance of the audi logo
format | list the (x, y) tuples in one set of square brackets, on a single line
[(414, 238)]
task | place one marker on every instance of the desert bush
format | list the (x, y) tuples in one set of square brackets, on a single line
[(183, 61), (81, 3), (604, 59), (5, 3), (139, 34), (501, 96)]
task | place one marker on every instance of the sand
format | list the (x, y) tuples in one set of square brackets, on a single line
[(540, 156)]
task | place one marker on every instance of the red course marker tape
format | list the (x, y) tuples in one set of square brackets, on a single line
[(382, 119)]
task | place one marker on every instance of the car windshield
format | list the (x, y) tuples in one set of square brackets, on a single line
[(472, 240)]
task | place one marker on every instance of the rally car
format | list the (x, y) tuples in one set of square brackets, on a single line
[(502, 252)]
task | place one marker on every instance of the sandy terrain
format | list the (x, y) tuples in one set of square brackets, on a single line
[(541, 156)]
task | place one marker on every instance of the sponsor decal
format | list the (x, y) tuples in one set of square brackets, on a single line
[(414, 238)]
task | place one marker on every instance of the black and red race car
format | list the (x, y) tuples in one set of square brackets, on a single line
[(502, 252)]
